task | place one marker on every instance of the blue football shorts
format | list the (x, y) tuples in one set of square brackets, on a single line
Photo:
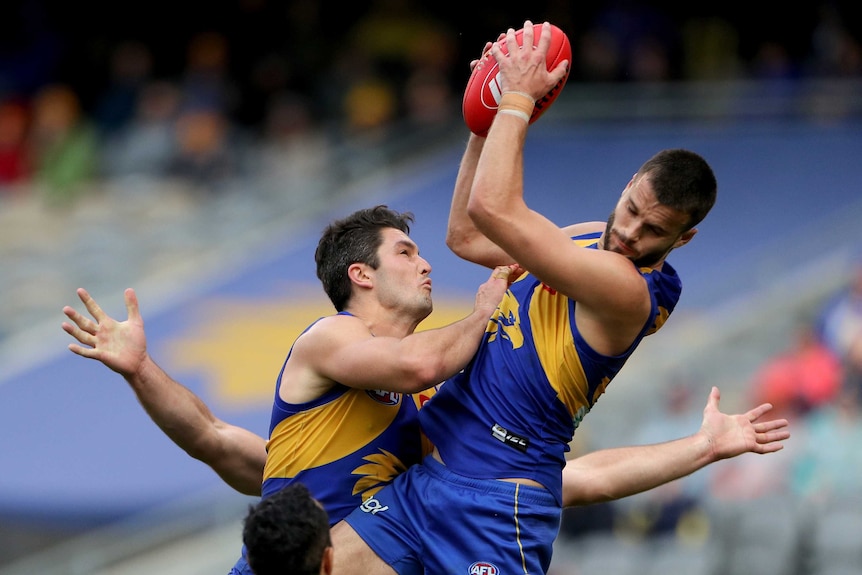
[(431, 520)]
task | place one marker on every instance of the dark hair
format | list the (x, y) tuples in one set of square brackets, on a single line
[(286, 532), (353, 239), (682, 180)]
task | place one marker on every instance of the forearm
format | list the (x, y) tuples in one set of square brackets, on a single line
[(498, 182), (235, 454), (178, 412), (615, 473), (462, 237), (434, 355)]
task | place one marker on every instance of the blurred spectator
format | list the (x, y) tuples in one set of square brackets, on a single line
[(834, 50), (31, 47), (206, 154), (146, 145), (804, 376), (586, 520), (399, 35), (598, 57), (772, 61), (631, 41), (650, 60), (370, 106), (802, 379), (294, 158), (206, 82), (840, 327), (207, 148), (63, 143), (338, 89), (130, 69), (674, 508), (711, 49), (429, 99), (14, 159), (398, 45), (828, 463)]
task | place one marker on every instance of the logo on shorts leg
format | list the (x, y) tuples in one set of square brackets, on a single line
[(372, 506), (483, 568)]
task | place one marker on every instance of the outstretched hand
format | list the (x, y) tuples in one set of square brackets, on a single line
[(120, 345), (732, 435)]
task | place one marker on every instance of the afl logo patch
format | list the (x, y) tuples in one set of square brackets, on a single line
[(384, 397), (482, 568)]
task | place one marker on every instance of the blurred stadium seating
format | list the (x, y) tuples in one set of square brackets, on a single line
[(783, 230)]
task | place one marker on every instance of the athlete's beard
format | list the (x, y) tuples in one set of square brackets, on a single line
[(647, 260)]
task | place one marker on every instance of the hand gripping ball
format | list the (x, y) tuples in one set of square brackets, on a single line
[(483, 92)]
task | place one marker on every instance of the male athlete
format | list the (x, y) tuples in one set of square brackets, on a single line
[(344, 418), (239, 456), (492, 493)]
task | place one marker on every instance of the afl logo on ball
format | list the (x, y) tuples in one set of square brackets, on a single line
[(384, 397), (482, 568)]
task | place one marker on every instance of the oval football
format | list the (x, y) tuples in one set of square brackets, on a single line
[(482, 94)]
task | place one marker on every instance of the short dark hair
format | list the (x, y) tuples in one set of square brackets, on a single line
[(286, 533), (682, 180), (353, 239)]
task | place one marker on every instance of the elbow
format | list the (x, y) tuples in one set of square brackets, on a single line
[(463, 244), (206, 446), (203, 451), (456, 240), (483, 209), (477, 209)]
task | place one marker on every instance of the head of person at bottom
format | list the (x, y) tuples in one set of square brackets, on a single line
[(287, 533)]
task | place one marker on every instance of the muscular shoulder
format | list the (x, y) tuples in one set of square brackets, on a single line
[(336, 324), (305, 375)]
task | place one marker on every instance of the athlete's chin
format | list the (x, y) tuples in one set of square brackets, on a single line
[(426, 306)]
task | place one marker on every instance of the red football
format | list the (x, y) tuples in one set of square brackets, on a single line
[(482, 95)]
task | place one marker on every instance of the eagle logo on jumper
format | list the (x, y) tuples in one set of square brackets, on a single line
[(506, 322), (380, 469)]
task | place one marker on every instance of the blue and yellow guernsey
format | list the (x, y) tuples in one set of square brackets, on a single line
[(513, 411), (344, 446)]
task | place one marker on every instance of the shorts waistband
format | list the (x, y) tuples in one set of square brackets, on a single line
[(525, 492)]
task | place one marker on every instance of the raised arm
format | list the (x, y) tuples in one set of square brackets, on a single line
[(236, 454), (462, 236), (598, 279), (615, 473)]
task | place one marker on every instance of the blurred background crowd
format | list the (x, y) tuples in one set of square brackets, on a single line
[(137, 136), (151, 89)]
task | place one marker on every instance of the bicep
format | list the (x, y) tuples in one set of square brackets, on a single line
[(350, 355)]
